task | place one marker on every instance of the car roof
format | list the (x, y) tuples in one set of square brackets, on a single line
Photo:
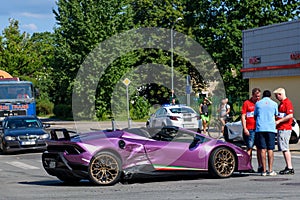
[(176, 106), (21, 117)]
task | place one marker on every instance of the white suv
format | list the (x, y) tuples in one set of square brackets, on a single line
[(174, 115)]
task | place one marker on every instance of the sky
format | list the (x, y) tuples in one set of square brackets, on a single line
[(33, 15)]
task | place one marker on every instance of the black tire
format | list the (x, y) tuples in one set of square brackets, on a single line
[(222, 163), (148, 124), (105, 169), (2, 148)]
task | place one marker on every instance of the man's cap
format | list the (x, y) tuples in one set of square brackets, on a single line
[(279, 91)]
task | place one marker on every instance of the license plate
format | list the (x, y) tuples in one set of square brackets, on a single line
[(27, 142), (188, 126), (187, 119)]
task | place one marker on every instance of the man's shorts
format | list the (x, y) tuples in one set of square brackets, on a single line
[(265, 140), (283, 139), (250, 139), (206, 118)]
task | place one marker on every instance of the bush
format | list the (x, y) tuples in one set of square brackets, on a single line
[(140, 108), (63, 111), (44, 107)]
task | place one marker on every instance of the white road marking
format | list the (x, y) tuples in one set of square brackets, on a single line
[(21, 165)]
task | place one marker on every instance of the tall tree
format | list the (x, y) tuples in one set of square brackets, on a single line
[(17, 55), (25, 56), (218, 26), (81, 26)]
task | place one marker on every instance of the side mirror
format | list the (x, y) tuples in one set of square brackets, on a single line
[(37, 92)]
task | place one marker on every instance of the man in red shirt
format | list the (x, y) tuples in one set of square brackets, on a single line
[(284, 126), (248, 123)]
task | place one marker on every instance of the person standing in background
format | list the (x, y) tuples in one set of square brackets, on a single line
[(248, 122), (265, 112), (284, 122), (224, 110), (203, 110)]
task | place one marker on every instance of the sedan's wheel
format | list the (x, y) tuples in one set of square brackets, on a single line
[(221, 163), (148, 125), (2, 148), (105, 169)]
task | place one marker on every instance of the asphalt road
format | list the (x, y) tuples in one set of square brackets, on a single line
[(23, 177)]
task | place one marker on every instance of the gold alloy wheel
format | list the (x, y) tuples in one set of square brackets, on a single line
[(105, 169), (224, 162)]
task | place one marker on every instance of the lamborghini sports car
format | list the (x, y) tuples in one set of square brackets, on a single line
[(107, 157)]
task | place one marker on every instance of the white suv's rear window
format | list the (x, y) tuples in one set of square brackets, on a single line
[(182, 110)]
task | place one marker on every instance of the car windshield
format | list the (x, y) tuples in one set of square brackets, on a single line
[(23, 123), (182, 110)]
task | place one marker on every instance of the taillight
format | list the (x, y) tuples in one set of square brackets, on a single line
[(173, 118)]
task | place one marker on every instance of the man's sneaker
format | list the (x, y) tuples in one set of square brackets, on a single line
[(259, 170), (263, 174), (287, 171), (272, 173)]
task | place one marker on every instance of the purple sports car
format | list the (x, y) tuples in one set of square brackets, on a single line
[(107, 157)]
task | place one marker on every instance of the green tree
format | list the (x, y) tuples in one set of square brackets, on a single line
[(17, 55), (82, 25), (29, 58), (218, 26)]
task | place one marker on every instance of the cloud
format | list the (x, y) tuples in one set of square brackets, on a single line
[(34, 15), (31, 27)]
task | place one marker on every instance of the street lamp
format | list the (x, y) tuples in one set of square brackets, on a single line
[(172, 67)]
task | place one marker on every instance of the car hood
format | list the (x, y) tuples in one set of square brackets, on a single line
[(25, 131)]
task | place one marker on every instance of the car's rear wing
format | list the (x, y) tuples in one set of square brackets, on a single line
[(62, 134)]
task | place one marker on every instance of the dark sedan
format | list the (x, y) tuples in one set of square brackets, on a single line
[(22, 133)]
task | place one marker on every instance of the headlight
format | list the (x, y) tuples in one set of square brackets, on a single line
[(45, 136), (10, 138)]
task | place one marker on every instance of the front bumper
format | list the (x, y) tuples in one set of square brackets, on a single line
[(15, 145)]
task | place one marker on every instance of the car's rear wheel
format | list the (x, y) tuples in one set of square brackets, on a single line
[(222, 162), (105, 169)]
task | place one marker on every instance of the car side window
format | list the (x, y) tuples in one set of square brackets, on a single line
[(183, 136), (164, 112), (159, 112)]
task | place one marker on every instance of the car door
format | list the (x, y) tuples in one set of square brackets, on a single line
[(178, 154), (159, 117)]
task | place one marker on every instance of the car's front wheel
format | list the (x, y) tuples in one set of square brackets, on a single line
[(105, 169), (222, 162)]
